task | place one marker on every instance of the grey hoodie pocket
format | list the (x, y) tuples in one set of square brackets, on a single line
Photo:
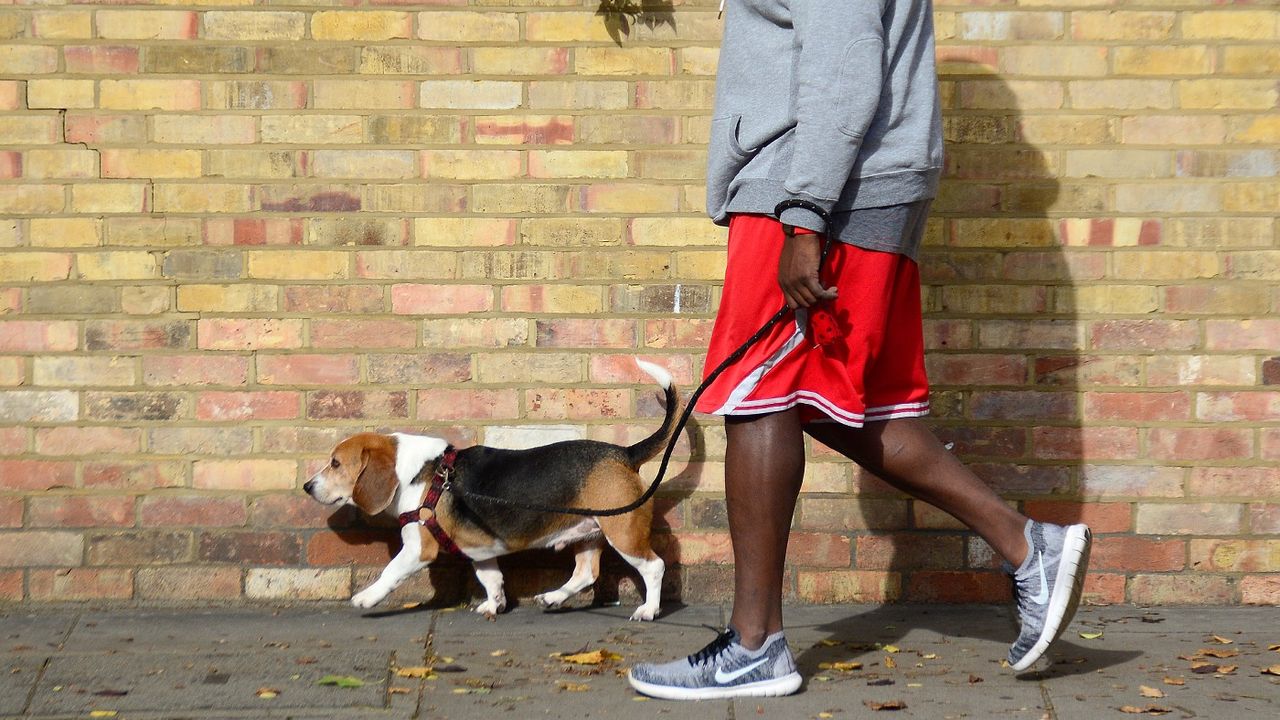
[(725, 159)]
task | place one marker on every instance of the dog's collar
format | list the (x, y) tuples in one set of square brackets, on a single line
[(440, 482)]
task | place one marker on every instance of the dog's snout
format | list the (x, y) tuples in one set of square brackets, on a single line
[(309, 486)]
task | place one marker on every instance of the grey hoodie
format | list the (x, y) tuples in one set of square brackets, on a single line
[(830, 101)]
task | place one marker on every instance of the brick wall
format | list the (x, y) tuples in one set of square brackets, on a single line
[(232, 234)]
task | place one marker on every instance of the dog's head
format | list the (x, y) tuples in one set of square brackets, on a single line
[(361, 471)]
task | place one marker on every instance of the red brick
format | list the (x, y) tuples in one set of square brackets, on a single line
[(1022, 405), (1260, 590), (586, 333), (515, 130), (297, 584), (1242, 482), (189, 583), (297, 510), (353, 404), (81, 511), (1228, 406), (11, 585), (974, 441), (244, 475), (53, 442), (1186, 370), (694, 548), (847, 586), (685, 334), (101, 59), (1180, 590), (1085, 370), (248, 334), (1188, 519), (819, 550), (131, 406), (419, 368), (352, 299), (10, 164), (1146, 335), (948, 369), (622, 369), (35, 548), (1024, 479), (1235, 555), (355, 546), (363, 334), (948, 334), (900, 551), (308, 369), (450, 404), (133, 475), (1199, 443), (249, 548), (10, 512), (1263, 334), (264, 405), (1271, 371), (957, 587), (1103, 589), (1045, 334), (80, 584), (137, 334), (250, 231), (1114, 517), (143, 547), (928, 517), (1264, 518), (195, 370), (1078, 443), (577, 404), (38, 335), (1137, 554), (105, 129), (1137, 406), (1102, 481), (36, 474), (440, 299), (192, 511), (13, 440)]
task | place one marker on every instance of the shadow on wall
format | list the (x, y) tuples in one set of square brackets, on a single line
[(620, 16), (1002, 350)]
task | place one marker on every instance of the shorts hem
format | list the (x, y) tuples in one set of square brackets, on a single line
[(834, 413)]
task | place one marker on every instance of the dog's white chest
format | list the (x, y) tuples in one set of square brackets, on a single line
[(585, 530)]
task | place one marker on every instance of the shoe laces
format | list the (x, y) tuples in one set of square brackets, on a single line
[(715, 647)]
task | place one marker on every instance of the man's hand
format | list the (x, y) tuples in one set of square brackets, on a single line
[(798, 271)]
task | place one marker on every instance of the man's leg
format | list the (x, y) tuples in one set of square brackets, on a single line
[(764, 466), (906, 454)]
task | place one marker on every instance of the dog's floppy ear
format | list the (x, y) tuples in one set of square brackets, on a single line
[(376, 485)]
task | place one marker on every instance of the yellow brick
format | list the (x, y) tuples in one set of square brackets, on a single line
[(983, 232), (60, 162), (463, 232), (1053, 61), (258, 164), (360, 25), (28, 199), (554, 298), (228, 298), (1264, 129), (677, 232), (565, 27), (364, 164), (409, 265), (577, 163), (505, 198), (1165, 265), (520, 61), (28, 59), (1118, 163), (1126, 94), (1107, 299), (675, 94), (312, 129), (1252, 197), (34, 267), (693, 265), (571, 232), (254, 25), (622, 61), (149, 95), (364, 94), (204, 130), (1242, 25), (117, 265), (464, 26), (1250, 60), (146, 24), (629, 198), (109, 198), (471, 164), (1228, 94), (297, 264), (1156, 60), (202, 197), (471, 94), (65, 232), (31, 130), (699, 60), (65, 25), (1072, 130), (579, 95), (150, 163), (1122, 25), (59, 94)]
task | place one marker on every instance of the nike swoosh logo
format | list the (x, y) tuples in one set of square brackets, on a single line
[(723, 677), (1043, 596)]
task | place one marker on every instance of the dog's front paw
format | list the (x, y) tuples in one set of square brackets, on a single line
[(644, 613), (367, 598), (491, 608), (550, 600)]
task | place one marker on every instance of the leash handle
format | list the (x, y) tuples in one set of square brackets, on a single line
[(684, 417)]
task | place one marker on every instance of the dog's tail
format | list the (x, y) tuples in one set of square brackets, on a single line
[(640, 452)]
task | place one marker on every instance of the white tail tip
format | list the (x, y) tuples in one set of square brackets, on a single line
[(657, 372)]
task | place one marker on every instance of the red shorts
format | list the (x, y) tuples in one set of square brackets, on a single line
[(870, 368)]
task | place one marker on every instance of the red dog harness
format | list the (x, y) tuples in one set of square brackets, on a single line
[(439, 484)]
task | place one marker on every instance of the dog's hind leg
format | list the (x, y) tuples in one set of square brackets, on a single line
[(585, 571), (490, 576), (629, 535)]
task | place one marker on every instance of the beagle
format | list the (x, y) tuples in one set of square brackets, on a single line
[(417, 477)]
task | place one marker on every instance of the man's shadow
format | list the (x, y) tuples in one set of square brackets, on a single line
[(1004, 352)]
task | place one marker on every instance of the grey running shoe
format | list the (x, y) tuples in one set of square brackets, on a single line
[(722, 669), (1047, 587)]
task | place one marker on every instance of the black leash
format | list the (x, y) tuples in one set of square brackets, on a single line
[(688, 410)]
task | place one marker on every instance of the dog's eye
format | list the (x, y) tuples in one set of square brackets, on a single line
[(334, 463)]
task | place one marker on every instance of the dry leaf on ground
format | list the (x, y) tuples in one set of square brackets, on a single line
[(887, 705), (1273, 670), (1216, 653), (842, 666), (572, 687), (1221, 640), (595, 657), (1150, 692), (1174, 681), (1148, 710), (1091, 635)]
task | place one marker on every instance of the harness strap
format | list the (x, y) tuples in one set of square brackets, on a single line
[(439, 484)]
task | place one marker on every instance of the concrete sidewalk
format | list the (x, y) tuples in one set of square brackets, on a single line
[(940, 661)]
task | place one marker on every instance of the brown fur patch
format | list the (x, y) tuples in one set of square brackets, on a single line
[(375, 485)]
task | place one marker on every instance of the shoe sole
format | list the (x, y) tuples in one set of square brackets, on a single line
[(1066, 592), (776, 687)]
